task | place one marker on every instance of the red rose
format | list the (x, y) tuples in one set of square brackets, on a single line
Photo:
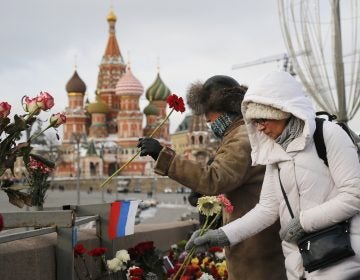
[(4, 109), (1, 222), (45, 101), (79, 250), (176, 102), (30, 105), (57, 119)]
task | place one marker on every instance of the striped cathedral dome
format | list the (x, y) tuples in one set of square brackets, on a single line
[(151, 109), (128, 84), (158, 90)]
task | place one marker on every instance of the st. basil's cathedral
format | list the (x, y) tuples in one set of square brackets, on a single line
[(102, 135)]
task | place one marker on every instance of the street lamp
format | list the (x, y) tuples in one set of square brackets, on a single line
[(77, 138), (102, 152)]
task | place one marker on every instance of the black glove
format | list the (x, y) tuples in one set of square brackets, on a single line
[(149, 147)]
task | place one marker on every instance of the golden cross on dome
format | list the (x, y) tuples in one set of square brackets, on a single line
[(158, 64)]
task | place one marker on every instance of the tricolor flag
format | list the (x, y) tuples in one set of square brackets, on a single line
[(122, 218)]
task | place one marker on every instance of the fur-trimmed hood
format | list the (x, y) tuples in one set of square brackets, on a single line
[(218, 94)]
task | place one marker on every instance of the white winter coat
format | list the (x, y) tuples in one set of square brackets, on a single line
[(321, 196)]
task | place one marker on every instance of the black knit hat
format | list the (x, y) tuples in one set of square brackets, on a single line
[(218, 94)]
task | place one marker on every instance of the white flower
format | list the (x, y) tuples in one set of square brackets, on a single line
[(174, 247), (220, 255), (206, 276), (209, 205), (123, 256), (114, 264)]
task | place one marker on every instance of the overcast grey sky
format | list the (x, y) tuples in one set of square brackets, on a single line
[(194, 39)]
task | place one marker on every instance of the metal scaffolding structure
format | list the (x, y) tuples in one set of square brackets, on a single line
[(328, 33)]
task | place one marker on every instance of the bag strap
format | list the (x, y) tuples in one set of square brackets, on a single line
[(285, 196), (319, 140)]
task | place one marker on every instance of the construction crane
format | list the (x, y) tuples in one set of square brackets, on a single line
[(287, 65)]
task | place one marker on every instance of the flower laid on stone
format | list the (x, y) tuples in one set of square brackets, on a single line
[(119, 263), (142, 262), (176, 104), (135, 273), (208, 206), (11, 132), (207, 265)]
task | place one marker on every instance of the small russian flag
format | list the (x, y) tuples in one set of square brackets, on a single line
[(122, 218)]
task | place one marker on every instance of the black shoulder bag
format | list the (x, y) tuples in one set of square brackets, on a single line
[(324, 247)]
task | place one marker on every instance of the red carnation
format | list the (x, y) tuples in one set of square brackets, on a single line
[(176, 102), (97, 252), (79, 250), (215, 249)]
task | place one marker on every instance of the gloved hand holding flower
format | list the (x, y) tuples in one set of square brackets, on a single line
[(149, 147), (212, 238)]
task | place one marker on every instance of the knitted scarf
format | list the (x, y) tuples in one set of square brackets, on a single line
[(292, 130), (220, 125)]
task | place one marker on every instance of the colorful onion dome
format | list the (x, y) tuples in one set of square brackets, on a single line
[(158, 90), (128, 84), (98, 106), (111, 16), (75, 84), (151, 109)]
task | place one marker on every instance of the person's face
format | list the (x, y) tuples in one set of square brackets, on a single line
[(272, 128), (212, 116)]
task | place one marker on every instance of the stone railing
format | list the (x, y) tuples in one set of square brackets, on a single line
[(46, 253)]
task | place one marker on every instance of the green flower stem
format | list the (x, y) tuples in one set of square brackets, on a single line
[(36, 135), (121, 168), (162, 123), (187, 260), (213, 221), (138, 152)]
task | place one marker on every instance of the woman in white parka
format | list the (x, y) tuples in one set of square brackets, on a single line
[(281, 122)]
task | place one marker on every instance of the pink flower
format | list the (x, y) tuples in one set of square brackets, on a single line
[(4, 109), (36, 165), (226, 203), (30, 105), (57, 119), (45, 101)]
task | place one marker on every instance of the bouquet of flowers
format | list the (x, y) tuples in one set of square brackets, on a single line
[(149, 259), (208, 265), (10, 134), (189, 266), (142, 262)]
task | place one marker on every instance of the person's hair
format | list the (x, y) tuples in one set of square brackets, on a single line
[(218, 94)]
